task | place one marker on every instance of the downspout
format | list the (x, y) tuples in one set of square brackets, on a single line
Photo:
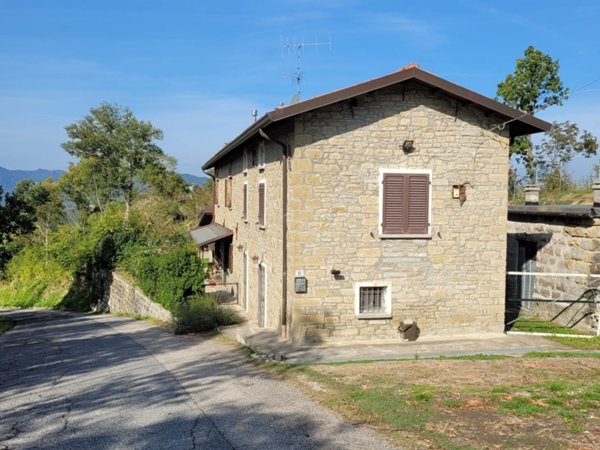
[(214, 179), (284, 269)]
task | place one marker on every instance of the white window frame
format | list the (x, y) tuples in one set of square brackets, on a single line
[(264, 225), (245, 161), (387, 314), (261, 157), (383, 171)]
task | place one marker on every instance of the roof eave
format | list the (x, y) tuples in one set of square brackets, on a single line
[(240, 139), (519, 123)]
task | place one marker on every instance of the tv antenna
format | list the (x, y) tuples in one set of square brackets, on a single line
[(298, 48)]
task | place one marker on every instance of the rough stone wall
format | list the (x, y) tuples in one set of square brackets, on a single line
[(563, 246), (263, 245), (125, 298), (451, 283)]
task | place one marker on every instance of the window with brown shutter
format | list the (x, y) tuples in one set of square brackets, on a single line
[(245, 204), (405, 204), (228, 183), (261, 204)]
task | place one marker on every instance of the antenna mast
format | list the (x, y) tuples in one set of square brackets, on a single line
[(298, 47)]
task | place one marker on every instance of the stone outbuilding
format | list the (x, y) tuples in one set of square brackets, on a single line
[(383, 203), (557, 250)]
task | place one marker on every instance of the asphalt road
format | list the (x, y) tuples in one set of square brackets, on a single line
[(70, 381)]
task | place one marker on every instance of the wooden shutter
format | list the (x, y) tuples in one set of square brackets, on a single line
[(245, 206), (418, 204), (230, 258), (261, 204), (394, 203), (228, 183), (405, 203)]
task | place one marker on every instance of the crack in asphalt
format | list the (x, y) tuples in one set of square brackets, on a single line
[(66, 415), (193, 431), (12, 433)]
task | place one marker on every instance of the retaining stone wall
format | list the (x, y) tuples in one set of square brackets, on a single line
[(123, 297)]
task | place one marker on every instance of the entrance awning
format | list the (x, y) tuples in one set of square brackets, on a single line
[(210, 233)]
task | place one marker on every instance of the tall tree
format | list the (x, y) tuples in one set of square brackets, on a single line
[(88, 185), (31, 209), (534, 86), (559, 146), (124, 145)]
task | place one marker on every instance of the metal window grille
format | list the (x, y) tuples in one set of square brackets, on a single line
[(372, 299)]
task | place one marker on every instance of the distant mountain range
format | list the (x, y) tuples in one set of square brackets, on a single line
[(193, 179), (9, 178)]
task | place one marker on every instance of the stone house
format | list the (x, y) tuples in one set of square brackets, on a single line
[(341, 216), (562, 244)]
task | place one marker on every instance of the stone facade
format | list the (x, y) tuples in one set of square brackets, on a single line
[(261, 245), (561, 244), (123, 297), (452, 282)]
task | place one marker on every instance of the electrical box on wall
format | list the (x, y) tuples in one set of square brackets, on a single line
[(300, 285)]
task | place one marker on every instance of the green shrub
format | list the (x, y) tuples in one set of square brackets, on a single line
[(166, 277), (202, 313), (33, 280)]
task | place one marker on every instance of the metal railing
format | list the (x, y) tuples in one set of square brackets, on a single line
[(591, 293)]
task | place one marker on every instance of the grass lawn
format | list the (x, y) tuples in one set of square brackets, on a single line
[(5, 324), (534, 325), (526, 403)]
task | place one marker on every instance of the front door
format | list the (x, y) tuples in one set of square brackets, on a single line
[(261, 295)]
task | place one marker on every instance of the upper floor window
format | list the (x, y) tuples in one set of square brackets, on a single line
[(262, 210), (228, 189), (245, 202), (405, 203), (261, 157)]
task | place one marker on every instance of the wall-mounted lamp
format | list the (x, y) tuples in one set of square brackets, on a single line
[(335, 272), (240, 247), (407, 146), (255, 259)]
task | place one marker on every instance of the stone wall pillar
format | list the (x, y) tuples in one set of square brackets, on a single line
[(532, 194)]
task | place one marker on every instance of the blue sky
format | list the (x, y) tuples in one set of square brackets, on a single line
[(196, 69)]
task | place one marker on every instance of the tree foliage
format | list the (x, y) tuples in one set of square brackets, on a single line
[(535, 85), (87, 184), (123, 145), (558, 147), (32, 209)]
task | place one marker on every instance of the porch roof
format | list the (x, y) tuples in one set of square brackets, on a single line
[(209, 233)]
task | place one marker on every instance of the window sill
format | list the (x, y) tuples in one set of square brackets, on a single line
[(373, 316), (405, 236)]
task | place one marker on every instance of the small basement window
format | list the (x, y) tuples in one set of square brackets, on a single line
[(373, 300)]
